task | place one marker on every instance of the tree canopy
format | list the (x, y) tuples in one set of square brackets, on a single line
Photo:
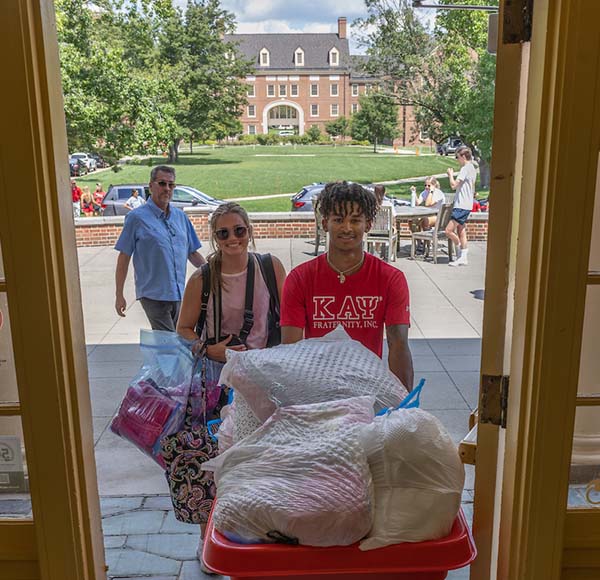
[(446, 73), (376, 119), (141, 75)]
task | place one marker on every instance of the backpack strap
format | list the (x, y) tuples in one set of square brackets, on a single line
[(265, 261), (249, 301), (205, 269)]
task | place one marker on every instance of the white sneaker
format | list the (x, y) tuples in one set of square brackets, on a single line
[(462, 261)]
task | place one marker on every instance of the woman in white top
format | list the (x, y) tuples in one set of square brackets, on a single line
[(432, 196)]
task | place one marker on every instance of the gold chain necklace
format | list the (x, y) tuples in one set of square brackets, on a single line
[(341, 274)]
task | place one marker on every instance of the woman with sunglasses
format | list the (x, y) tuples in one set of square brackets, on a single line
[(231, 235), (229, 264)]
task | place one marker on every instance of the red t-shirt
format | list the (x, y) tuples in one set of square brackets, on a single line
[(315, 300)]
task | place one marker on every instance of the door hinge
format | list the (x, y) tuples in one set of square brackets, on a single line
[(494, 399)]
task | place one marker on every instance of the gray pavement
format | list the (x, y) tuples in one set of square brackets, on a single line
[(141, 535)]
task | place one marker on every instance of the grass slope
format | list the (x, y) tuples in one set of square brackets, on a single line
[(254, 171)]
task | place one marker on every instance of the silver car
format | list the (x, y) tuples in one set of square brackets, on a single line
[(183, 196)]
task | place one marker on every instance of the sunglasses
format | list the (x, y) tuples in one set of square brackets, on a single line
[(169, 184), (238, 232)]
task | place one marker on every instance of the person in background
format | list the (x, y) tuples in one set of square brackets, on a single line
[(135, 200), (87, 202), (348, 286), (432, 196), (76, 194), (464, 185), (99, 194), (161, 239)]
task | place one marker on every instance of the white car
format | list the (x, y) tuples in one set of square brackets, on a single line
[(86, 159)]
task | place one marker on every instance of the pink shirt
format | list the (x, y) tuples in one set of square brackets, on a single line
[(233, 295)]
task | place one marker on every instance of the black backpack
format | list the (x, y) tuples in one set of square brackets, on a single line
[(265, 262)]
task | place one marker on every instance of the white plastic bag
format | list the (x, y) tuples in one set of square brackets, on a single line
[(238, 422), (302, 477), (418, 478), (314, 370)]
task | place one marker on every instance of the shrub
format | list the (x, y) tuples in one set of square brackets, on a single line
[(314, 134)]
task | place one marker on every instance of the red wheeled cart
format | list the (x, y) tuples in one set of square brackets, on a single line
[(409, 561)]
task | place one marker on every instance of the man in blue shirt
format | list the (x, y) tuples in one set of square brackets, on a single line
[(161, 239)]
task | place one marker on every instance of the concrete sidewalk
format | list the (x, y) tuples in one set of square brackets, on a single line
[(142, 537)]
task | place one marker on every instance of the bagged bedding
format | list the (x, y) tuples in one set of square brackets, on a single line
[(300, 478)]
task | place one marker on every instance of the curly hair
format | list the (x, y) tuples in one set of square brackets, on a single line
[(337, 197)]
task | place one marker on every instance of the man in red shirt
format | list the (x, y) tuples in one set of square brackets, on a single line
[(76, 194), (348, 286)]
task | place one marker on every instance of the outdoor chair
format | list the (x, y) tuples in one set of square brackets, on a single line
[(383, 231), (433, 236), (320, 233)]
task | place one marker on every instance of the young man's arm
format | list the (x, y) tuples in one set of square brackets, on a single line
[(399, 357), (291, 334)]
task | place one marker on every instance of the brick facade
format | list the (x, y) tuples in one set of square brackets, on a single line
[(300, 73), (105, 231)]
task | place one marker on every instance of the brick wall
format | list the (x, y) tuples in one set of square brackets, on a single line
[(105, 231)]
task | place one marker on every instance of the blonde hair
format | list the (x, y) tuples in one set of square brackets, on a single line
[(215, 260), (433, 181), (86, 195)]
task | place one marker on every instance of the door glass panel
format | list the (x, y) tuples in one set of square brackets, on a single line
[(15, 500), (584, 483), (1, 264), (8, 379)]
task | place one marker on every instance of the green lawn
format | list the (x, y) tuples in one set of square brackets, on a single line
[(254, 170)]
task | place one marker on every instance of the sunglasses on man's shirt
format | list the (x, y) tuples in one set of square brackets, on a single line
[(239, 232)]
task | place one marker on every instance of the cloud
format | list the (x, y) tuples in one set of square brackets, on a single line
[(304, 16)]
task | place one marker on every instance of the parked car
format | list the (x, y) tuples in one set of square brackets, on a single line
[(77, 167), (86, 159), (183, 196), (101, 163), (286, 133), (303, 200), (450, 146)]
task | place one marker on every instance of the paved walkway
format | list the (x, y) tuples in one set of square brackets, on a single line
[(142, 537)]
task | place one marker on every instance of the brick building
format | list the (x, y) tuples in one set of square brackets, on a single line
[(306, 79)]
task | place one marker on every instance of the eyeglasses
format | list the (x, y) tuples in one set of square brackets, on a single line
[(169, 184), (169, 227), (238, 232), (428, 185)]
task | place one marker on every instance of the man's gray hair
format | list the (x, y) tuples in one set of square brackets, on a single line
[(164, 169)]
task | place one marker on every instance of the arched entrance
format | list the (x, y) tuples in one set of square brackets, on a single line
[(283, 116)]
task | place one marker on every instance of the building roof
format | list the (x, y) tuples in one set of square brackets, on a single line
[(282, 47)]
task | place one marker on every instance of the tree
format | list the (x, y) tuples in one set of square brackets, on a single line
[(338, 127), (447, 75), (377, 118)]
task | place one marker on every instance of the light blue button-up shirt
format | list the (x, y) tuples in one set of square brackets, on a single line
[(160, 245)]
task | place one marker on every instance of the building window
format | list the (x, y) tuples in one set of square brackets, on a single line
[(314, 110), (250, 92), (293, 90), (251, 110), (355, 107), (334, 90), (282, 90), (264, 57), (270, 90), (355, 90), (251, 129), (335, 110), (334, 57), (314, 90), (299, 57)]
